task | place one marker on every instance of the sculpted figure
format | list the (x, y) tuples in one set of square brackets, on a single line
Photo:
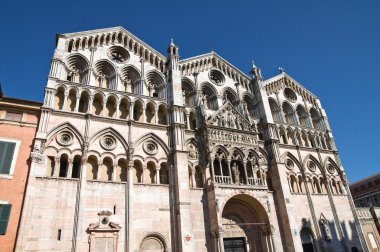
[(192, 151), (236, 173), (325, 229)]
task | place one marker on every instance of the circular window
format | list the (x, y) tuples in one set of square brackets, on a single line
[(312, 166), (150, 147), (105, 221), (330, 169), (118, 54), (65, 138), (216, 77), (289, 164), (290, 95), (108, 142)]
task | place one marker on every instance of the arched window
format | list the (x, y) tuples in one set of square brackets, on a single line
[(157, 83), (71, 100), (209, 97), (162, 114), (303, 117), (97, 105), (83, 102), (249, 108), (317, 119), (150, 113), (124, 108), (229, 95), (276, 111), (164, 174), (63, 165), (137, 171), (121, 170), (188, 92), (293, 184), (77, 69), (130, 80), (111, 107), (105, 75), (150, 173), (92, 168), (59, 98), (290, 116), (77, 162), (106, 170), (138, 111)]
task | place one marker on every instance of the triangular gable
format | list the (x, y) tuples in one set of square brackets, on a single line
[(228, 117), (284, 80), (212, 60), (118, 35)]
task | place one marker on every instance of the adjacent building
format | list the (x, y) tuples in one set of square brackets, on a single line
[(366, 195), (18, 125), (140, 151)]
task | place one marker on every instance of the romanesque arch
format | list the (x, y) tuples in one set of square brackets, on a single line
[(245, 224)]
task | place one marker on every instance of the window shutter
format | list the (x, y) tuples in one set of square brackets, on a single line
[(5, 211), (6, 155)]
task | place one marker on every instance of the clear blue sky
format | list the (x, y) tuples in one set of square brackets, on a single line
[(331, 47)]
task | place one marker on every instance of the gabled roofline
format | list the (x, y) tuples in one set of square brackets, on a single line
[(214, 54), (111, 29), (281, 75)]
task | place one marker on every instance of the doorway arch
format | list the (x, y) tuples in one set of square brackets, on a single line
[(245, 225)]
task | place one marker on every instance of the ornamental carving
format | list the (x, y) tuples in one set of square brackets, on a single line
[(228, 117), (65, 138), (150, 147), (220, 136), (193, 152), (108, 142)]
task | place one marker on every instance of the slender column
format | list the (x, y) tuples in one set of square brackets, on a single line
[(104, 109), (131, 105), (70, 168), (290, 186), (77, 103), (156, 115), (114, 169), (229, 170), (128, 212), (188, 120), (220, 166), (158, 175), (144, 113), (193, 177), (220, 239), (245, 172), (65, 101), (90, 101), (56, 167), (118, 109)]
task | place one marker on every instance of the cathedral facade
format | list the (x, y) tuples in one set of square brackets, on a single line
[(137, 151)]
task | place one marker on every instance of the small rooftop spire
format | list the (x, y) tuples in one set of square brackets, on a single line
[(171, 41), (253, 64), (281, 69)]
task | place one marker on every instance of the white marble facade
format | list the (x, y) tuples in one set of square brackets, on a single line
[(137, 151)]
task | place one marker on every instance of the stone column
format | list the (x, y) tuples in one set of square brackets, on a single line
[(229, 170), (212, 169), (131, 105), (77, 103), (90, 101), (118, 109), (158, 175), (65, 101), (104, 108), (220, 239), (245, 172), (144, 113), (56, 167), (70, 169), (114, 169), (188, 121)]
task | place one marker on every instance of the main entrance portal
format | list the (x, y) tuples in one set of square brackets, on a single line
[(234, 245), (245, 226)]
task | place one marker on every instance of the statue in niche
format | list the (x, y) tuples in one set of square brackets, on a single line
[(204, 101), (128, 83), (224, 99), (236, 173), (231, 120), (192, 151), (325, 228), (74, 74)]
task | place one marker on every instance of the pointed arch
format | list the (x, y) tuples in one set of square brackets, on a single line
[(112, 132), (66, 126), (154, 137), (293, 158)]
